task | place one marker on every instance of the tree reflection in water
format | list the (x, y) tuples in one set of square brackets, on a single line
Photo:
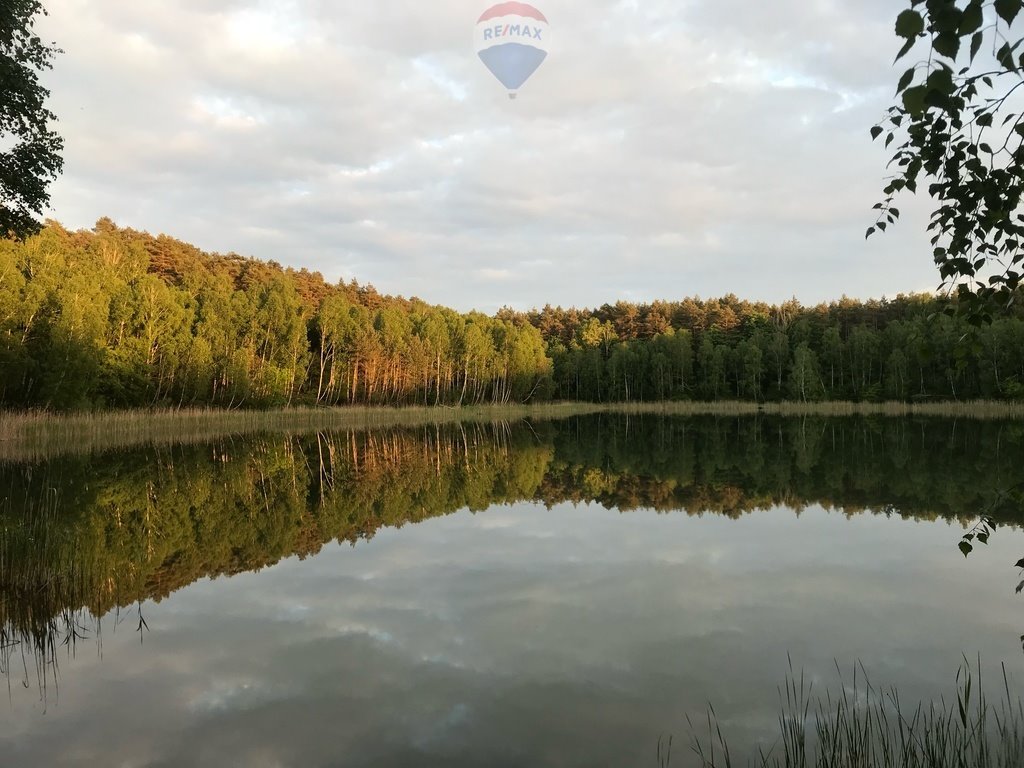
[(85, 536)]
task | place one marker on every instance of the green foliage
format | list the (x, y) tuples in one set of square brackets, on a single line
[(113, 318), (961, 131), (726, 349), (117, 318), (804, 380), (33, 159)]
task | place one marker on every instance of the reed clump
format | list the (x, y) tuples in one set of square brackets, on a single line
[(864, 727), (35, 435), (31, 436)]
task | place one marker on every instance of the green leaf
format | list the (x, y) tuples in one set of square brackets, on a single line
[(972, 18), (906, 48), (941, 79), (976, 44), (1005, 57), (876, 132), (947, 44), (907, 78), (984, 119), (913, 99), (910, 24), (1007, 10), (966, 548)]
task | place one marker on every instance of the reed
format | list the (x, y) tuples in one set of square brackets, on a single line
[(34, 435), (29, 436), (864, 727)]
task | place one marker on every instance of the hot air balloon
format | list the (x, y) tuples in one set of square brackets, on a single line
[(511, 40)]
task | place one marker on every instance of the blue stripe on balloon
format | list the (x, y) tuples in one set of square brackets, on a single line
[(513, 63)]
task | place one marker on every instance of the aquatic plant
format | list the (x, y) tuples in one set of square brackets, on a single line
[(861, 726)]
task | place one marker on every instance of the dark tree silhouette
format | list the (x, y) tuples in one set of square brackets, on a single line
[(30, 152)]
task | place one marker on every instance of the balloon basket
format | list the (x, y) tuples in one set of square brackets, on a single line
[(513, 96)]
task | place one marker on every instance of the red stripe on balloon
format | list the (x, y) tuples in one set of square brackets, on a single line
[(512, 9)]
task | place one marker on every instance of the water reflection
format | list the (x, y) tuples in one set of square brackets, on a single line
[(489, 625)]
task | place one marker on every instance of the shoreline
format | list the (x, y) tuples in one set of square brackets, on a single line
[(35, 435)]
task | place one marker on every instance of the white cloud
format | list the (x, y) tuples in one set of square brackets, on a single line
[(663, 149)]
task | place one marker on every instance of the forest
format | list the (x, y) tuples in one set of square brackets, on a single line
[(116, 318)]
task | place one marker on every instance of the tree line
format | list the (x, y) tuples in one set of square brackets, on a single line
[(113, 317), (907, 348)]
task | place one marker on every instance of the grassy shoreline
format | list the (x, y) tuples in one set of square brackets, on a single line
[(39, 434)]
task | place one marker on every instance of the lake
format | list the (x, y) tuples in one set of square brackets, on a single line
[(545, 593)]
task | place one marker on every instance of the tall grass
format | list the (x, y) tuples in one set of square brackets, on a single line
[(863, 727), (26, 436)]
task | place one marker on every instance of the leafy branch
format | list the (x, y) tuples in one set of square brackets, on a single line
[(947, 109)]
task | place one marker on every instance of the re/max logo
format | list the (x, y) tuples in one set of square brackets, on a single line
[(509, 30)]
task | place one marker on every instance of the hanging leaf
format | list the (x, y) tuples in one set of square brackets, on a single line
[(947, 44), (972, 19), (976, 42), (910, 24), (907, 78), (941, 80), (913, 99), (906, 48), (1007, 10)]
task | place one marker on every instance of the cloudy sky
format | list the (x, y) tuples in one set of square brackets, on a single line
[(666, 148)]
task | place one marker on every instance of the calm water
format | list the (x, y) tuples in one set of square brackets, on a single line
[(519, 594)]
